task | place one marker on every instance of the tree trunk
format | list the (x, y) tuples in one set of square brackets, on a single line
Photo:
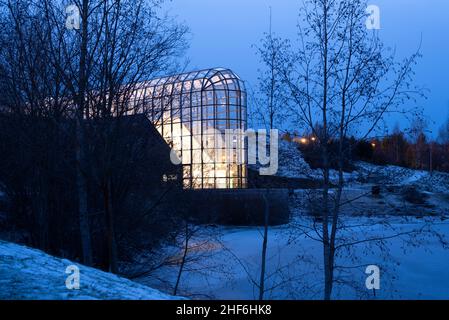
[(264, 248), (81, 146), (112, 245), (183, 261), (81, 185), (328, 278), (328, 272), (325, 154)]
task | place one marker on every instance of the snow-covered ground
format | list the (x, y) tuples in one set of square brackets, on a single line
[(292, 165), (224, 262), (291, 162), (413, 255), (437, 182), (31, 274)]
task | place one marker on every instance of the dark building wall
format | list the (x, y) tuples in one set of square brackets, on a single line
[(145, 154), (277, 182), (243, 207), (38, 176)]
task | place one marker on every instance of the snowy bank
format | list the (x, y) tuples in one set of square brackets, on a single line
[(437, 182), (31, 274)]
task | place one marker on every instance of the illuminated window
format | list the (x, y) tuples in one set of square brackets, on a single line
[(192, 111)]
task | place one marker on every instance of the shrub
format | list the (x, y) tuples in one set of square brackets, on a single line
[(413, 195)]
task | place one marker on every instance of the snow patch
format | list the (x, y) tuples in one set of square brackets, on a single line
[(33, 275)]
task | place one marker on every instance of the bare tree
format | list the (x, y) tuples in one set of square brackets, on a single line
[(122, 43), (340, 77), (270, 98), (29, 82), (269, 109), (91, 77)]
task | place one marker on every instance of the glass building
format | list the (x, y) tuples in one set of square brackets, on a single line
[(202, 115)]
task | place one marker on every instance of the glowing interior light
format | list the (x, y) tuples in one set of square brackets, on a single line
[(183, 107)]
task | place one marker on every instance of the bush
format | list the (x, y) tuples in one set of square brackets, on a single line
[(413, 195), (312, 155)]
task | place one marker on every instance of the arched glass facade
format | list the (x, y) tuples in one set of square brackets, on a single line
[(193, 111)]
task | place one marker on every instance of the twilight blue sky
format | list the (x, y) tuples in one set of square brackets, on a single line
[(223, 32)]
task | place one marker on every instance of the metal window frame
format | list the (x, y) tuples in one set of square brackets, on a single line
[(158, 105)]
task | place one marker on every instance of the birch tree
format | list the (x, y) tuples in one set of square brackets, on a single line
[(342, 80)]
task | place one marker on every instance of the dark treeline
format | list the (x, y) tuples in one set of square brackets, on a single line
[(80, 176), (398, 149), (422, 154)]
